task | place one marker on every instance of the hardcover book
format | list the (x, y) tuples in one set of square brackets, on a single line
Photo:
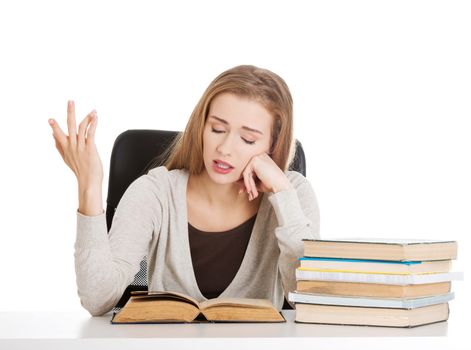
[(381, 249), (373, 289), (308, 274), (371, 316), (396, 303), (376, 266)]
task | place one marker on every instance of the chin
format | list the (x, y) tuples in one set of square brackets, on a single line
[(222, 179)]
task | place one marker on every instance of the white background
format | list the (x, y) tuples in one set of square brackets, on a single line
[(382, 107)]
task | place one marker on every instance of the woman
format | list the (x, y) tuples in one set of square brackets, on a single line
[(223, 217)]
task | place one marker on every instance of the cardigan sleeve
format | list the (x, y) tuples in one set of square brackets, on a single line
[(105, 264), (297, 213)]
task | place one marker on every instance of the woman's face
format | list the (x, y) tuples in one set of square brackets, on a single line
[(236, 129)]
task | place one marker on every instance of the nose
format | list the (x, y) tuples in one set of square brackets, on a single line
[(225, 145)]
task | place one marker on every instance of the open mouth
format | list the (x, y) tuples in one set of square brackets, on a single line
[(222, 165)]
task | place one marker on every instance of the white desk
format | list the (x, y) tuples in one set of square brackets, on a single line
[(78, 330)]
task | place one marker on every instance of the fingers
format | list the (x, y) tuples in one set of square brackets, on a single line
[(92, 129), (254, 187), (247, 185), (57, 133), (86, 122), (250, 185), (83, 137), (241, 184), (71, 122), (251, 178)]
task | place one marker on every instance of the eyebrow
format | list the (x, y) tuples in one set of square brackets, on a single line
[(227, 123)]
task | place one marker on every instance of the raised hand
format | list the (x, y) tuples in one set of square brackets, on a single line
[(79, 152)]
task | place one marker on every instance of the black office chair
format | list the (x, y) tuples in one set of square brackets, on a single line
[(134, 153)]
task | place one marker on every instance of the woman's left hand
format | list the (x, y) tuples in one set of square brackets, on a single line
[(262, 174)]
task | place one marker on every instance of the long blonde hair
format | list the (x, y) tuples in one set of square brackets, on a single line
[(261, 85)]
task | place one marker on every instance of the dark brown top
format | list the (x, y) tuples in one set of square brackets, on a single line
[(217, 256)]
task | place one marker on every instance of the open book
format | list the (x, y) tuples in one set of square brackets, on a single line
[(170, 307)]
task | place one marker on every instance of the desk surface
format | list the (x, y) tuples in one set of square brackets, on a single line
[(78, 330)]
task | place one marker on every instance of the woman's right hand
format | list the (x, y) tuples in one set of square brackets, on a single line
[(79, 150)]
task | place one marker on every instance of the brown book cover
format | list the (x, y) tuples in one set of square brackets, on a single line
[(381, 249), (173, 307)]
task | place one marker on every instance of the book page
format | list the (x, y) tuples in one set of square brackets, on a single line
[(165, 295), (242, 302)]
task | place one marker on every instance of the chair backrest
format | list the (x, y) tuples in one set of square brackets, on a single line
[(132, 154)]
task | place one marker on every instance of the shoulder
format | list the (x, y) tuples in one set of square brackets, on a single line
[(168, 177), (160, 179), (158, 173)]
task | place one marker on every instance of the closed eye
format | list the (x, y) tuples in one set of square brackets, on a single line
[(221, 131)]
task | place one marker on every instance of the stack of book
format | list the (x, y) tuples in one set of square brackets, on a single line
[(371, 282)]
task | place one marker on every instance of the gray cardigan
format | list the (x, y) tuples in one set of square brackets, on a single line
[(151, 219)]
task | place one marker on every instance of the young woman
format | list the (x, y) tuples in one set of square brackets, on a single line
[(223, 217)]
